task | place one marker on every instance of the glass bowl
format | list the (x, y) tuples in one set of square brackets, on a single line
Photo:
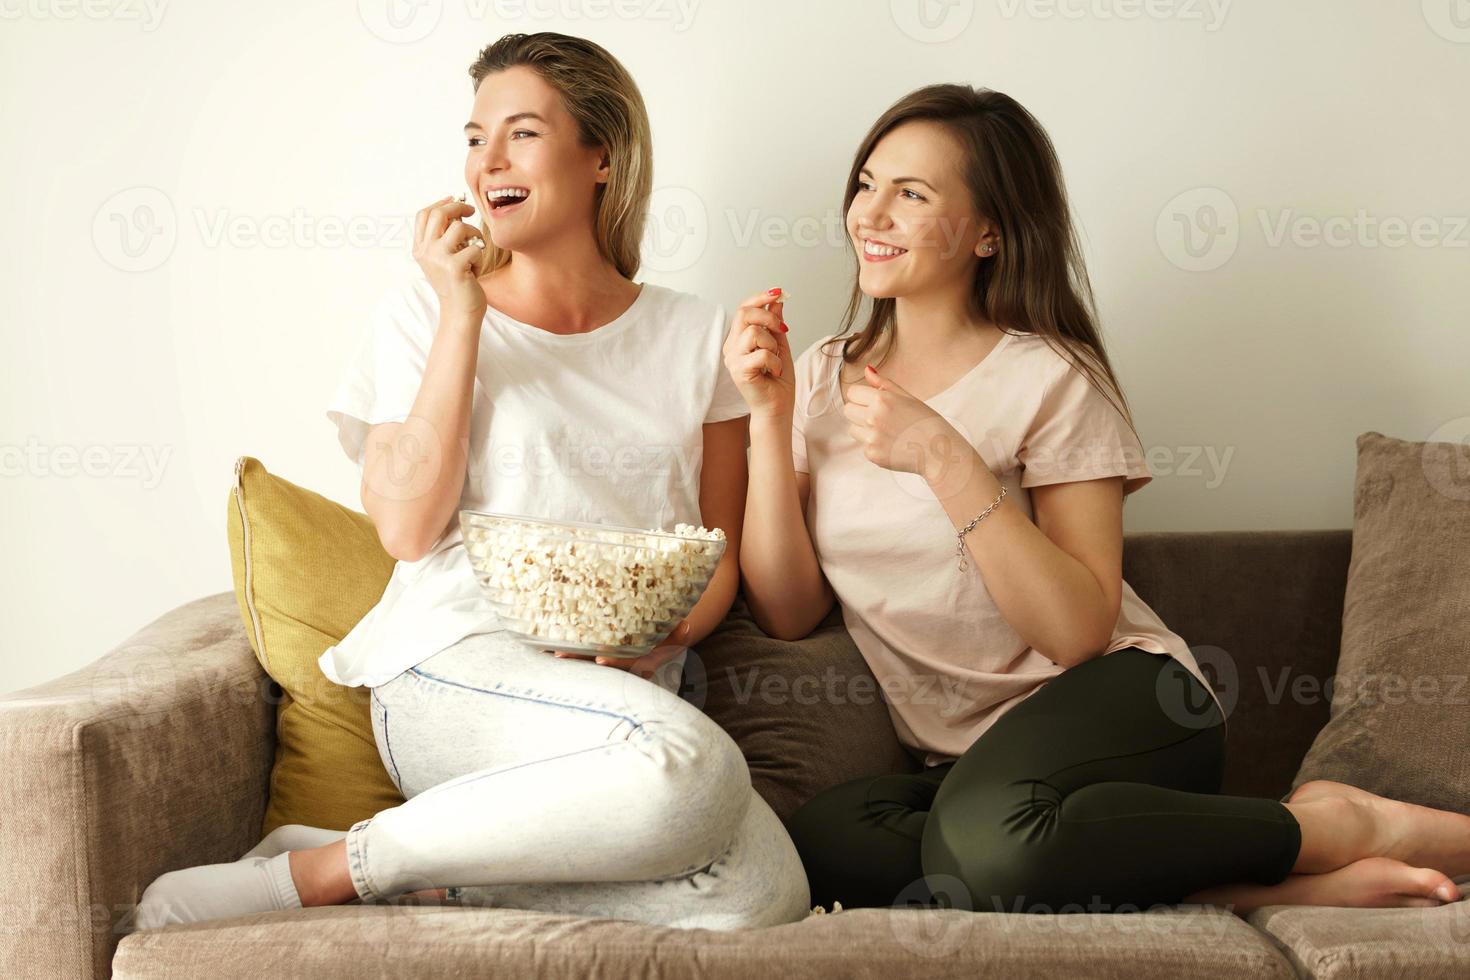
[(589, 588)]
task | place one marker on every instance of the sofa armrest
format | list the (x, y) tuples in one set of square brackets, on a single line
[(157, 756)]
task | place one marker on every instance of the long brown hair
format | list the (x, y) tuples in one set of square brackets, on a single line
[(1037, 282), (600, 95)]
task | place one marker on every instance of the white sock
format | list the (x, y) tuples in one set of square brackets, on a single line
[(300, 837), (293, 837), (218, 891)]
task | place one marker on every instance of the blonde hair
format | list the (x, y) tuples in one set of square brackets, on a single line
[(600, 95)]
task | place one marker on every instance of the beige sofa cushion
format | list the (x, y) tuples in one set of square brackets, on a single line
[(1398, 720), (881, 944), (1340, 943)]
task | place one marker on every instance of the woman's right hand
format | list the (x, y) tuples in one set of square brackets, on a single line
[(758, 356), (444, 247)]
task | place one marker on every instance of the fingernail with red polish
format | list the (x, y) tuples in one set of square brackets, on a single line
[(776, 291), (784, 327)]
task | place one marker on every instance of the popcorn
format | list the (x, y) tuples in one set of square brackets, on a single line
[(586, 586)]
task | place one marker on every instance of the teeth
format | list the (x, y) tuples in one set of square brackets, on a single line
[(873, 248), (506, 192)]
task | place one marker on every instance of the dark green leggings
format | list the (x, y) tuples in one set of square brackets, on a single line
[(1099, 792)]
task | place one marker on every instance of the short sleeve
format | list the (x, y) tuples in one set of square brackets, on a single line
[(799, 411), (727, 402), (384, 371), (807, 383), (798, 443), (1078, 434)]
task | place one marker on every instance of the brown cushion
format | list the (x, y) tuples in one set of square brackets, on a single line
[(1262, 612), (808, 714), (1398, 718)]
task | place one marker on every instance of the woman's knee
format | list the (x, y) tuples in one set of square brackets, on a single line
[(859, 843), (760, 879), (702, 788), (1002, 857), (816, 825)]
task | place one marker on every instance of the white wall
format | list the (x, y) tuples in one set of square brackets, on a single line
[(188, 116)]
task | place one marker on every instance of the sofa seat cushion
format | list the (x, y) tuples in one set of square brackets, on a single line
[(1347, 943), (433, 941)]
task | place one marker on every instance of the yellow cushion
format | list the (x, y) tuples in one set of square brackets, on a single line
[(306, 570)]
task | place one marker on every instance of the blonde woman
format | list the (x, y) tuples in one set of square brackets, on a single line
[(526, 372), (953, 474)]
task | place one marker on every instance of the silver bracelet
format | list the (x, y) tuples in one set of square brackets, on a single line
[(960, 546)]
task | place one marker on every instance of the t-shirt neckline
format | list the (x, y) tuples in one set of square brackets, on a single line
[(1005, 338), (615, 325)]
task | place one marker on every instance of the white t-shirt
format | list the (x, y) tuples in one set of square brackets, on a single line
[(603, 426)]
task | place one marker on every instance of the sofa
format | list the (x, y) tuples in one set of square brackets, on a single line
[(157, 756)]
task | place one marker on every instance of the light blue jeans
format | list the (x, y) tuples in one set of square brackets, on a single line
[(561, 785)]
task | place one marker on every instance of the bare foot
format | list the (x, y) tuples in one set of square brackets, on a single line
[(1373, 882), (1418, 835), (1316, 789)]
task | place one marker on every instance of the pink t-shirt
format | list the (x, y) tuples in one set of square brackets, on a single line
[(948, 663)]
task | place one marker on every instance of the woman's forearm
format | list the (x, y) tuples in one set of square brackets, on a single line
[(714, 605), (1050, 598), (784, 585)]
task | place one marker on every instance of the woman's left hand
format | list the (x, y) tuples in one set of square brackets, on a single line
[(898, 432), (667, 649)]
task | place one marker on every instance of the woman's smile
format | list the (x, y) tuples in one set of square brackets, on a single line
[(504, 199), (879, 251)]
